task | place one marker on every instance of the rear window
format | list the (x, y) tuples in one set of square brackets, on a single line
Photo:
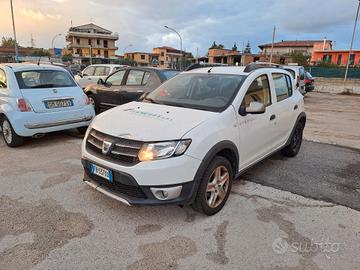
[(44, 79), (168, 74), (291, 72)]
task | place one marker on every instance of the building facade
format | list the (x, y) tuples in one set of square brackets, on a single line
[(168, 57), (143, 58), (336, 57), (301, 46), (90, 43), (230, 57)]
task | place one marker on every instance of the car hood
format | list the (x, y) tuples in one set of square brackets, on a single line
[(149, 122)]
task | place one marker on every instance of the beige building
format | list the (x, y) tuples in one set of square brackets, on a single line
[(90, 43), (168, 57), (230, 57), (142, 58)]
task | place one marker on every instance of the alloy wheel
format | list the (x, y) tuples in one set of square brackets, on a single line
[(7, 132), (217, 187)]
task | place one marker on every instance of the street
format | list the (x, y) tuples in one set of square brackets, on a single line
[(49, 219)]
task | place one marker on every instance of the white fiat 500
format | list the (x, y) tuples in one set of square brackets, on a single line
[(37, 99), (188, 139)]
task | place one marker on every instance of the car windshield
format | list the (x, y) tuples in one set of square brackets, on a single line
[(308, 75), (44, 79), (212, 92), (168, 74)]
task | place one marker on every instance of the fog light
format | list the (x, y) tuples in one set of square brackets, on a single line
[(166, 193)]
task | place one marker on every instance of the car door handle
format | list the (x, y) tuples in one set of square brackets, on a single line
[(296, 107), (272, 117)]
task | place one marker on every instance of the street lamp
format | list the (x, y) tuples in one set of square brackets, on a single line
[(13, 23), (181, 50), (53, 40), (352, 43)]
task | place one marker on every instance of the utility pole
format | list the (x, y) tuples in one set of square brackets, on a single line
[(181, 50), (272, 44), (13, 23), (352, 43)]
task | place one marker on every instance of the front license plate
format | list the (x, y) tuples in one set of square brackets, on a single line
[(53, 104), (102, 172)]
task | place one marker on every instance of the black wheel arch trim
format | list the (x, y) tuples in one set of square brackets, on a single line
[(300, 117), (214, 151)]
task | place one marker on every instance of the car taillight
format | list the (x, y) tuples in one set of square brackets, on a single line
[(307, 81), (24, 105), (86, 100)]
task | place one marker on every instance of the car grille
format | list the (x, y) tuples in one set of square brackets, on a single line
[(130, 191), (124, 151)]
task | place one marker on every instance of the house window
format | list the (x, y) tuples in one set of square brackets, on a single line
[(339, 59), (78, 41), (352, 59), (98, 52), (105, 43), (162, 54), (89, 41), (327, 58), (142, 57), (162, 63), (98, 41)]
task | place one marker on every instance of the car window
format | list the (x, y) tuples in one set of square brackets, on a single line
[(302, 73), (100, 71), (44, 79), (89, 71), (292, 72), (283, 86), (3, 82), (116, 78), (146, 78), (135, 77), (259, 91), (211, 92), (168, 74)]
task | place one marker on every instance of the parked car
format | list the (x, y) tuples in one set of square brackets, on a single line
[(298, 73), (190, 138), (309, 82), (91, 74), (125, 85), (37, 99)]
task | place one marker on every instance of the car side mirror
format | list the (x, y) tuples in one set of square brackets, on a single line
[(253, 108), (101, 81), (80, 74)]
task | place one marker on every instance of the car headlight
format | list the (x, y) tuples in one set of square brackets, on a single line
[(161, 150)]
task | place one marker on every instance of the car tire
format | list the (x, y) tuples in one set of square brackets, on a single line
[(82, 130), (293, 148), (215, 187), (93, 102), (9, 135)]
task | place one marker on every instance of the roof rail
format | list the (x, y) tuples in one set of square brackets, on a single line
[(203, 65), (256, 65)]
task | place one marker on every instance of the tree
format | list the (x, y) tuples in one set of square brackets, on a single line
[(215, 46), (300, 58), (67, 57), (234, 48), (41, 52), (247, 49), (7, 42)]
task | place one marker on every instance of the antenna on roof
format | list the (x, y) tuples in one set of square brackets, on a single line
[(38, 63)]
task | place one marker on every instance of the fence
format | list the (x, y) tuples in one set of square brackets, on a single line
[(353, 73)]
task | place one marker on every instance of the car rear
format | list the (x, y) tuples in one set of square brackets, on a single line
[(50, 100)]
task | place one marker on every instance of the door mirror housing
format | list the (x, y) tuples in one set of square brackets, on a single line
[(101, 81), (253, 108)]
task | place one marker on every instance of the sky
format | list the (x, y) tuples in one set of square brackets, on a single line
[(200, 22)]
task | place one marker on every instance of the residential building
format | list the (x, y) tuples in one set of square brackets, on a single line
[(143, 58), (90, 43), (289, 46), (230, 57), (169, 57), (336, 57)]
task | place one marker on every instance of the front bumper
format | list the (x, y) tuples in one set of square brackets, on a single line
[(126, 189)]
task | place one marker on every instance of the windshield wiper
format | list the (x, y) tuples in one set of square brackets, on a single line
[(151, 100), (43, 86)]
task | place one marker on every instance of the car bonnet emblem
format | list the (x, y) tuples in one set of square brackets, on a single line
[(106, 147), (55, 91)]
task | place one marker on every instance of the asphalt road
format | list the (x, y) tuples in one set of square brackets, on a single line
[(49, 219)]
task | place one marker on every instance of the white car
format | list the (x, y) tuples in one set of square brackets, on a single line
[(91, 74), (37, 99), (298, 73), (190, 138)]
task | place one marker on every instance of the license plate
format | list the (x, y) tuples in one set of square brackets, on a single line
[(102, 172), (53, 104)]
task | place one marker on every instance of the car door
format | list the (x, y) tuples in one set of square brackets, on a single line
[(86, 75), (136, 84), (283, 106), (110, 93), (256, 130)]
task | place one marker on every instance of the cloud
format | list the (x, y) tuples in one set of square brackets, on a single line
[(38, 15)]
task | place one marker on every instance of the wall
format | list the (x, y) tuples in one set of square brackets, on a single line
[(337, 85)]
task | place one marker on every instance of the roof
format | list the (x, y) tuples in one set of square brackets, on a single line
[(293, 43), (230, 70), (30, 66), (170, 49), (90, 26)]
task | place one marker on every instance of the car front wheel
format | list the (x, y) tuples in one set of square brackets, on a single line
[(9, 135), (215, 187)]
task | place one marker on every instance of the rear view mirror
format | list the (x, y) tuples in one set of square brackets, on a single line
[(100, 81), (255, 108)]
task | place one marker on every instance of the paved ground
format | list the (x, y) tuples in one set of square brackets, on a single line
[(49, 219)]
